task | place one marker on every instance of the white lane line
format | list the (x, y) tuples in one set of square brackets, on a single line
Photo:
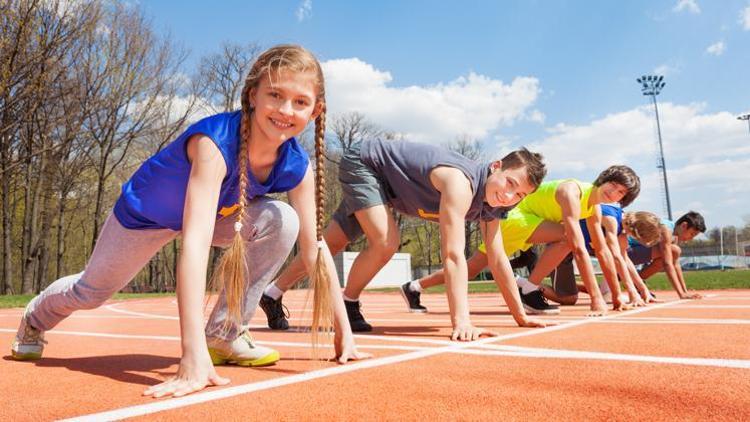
[(637, 321), (714, 307), (716, 297), (211, 395), (177, 338), (114, 308), (576, 354), (86, 316)]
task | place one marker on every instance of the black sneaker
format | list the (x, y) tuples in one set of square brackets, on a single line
[(536, 304), (412, 299), (356, 320), (276, 312)]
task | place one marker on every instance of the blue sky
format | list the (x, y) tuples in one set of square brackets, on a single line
[(555, 75)]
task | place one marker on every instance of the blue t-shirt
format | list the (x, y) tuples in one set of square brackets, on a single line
[(607, 211), (154, 197)]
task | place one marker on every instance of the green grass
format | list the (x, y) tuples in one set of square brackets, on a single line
[(695, 280), (19, 301)]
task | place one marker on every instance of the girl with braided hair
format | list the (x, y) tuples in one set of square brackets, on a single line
[(208, 186)]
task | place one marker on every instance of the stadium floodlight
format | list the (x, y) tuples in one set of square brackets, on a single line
[(745, 117), (652, 85)]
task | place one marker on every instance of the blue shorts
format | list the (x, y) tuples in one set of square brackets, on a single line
[(640, 254)]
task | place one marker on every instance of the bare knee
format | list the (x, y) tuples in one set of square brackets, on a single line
[(384, 248)]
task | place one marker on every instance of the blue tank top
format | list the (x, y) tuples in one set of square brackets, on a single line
[(607, 211), (154, 197)]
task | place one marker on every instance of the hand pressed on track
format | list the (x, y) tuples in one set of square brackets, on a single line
[(194, 374), (468, 332)]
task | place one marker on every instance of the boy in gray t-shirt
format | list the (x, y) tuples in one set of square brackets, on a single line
[(431, 183)]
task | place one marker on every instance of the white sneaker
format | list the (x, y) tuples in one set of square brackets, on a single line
[(29, 342), (242, 351)]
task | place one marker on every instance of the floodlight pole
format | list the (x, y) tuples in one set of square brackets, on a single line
[(651, 85), (745, 117)]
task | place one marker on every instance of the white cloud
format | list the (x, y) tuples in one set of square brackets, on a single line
[(666, 70), (716, 49), (304, 11), (707, 156), (745, 18), (687, 5), (473, 105), (536, 116)]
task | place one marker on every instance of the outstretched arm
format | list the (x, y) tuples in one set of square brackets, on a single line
[(619, 245), (668, 262), (207, 171), (568, 196), (640, 285), (455, 200), (604, 254)]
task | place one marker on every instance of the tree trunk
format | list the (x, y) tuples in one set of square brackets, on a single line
[(60, 236), (6, 285), (98, 205)]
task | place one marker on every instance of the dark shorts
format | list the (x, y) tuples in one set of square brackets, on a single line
[(640, 254), (564, 278), (361, 189)]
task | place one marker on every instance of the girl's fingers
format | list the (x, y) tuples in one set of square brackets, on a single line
[(187, 388), (158, 387), (216, 379)]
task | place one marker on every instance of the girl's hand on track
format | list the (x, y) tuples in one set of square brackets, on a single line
[(467, 332), (194, 374), (619, 306), (535, 323), (346, 350), (637, 302)]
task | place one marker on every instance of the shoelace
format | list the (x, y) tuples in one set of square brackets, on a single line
[(280, 311), (32, 336), (357, 312), (544, 299), (248, 339)]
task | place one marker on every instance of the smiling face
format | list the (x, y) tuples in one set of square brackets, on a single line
[(283, 105), (506, 188), (611, 192)]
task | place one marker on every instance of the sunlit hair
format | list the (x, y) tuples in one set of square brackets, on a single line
[(643, 226), (231, 271), (622, 175), (535, 168)]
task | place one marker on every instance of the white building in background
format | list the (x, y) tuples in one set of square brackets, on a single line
[(395, 273)]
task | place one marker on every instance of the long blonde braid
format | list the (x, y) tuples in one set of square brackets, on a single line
[(322, 320)]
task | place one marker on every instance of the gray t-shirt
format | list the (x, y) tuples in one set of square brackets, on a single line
[(404, 169)]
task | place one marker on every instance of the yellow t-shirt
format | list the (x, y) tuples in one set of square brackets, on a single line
[(542, 202)]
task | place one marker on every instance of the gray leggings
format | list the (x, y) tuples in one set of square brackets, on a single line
[(270, 229)]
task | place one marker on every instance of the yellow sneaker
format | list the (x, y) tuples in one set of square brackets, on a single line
[(242, 351)]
